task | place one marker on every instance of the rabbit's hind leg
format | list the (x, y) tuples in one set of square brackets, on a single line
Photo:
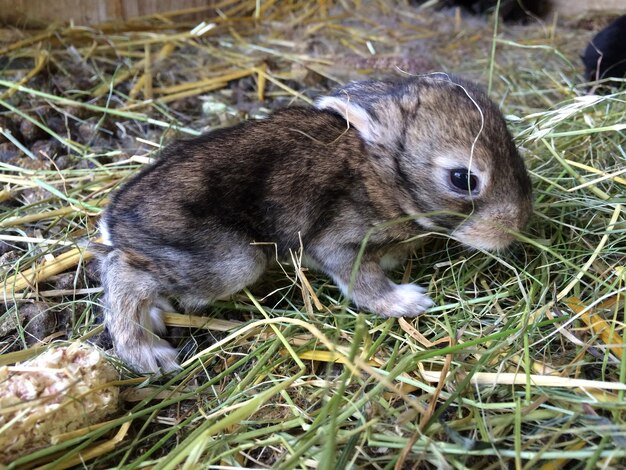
[(133, 306)]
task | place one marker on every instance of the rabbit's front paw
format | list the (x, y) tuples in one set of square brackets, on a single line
[(404, 300)]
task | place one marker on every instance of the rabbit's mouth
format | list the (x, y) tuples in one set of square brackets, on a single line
[(489, 236)]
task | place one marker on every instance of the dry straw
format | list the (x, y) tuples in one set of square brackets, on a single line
[(519, 365)]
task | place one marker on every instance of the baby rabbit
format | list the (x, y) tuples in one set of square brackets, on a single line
[(432, 151), (605, 55)]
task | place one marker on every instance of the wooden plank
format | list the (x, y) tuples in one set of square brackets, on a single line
[(133, 8), (21, 12), (25, 12), (576, 7)]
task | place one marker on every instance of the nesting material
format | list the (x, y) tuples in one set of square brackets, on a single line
[(349, 390), (61, 390)]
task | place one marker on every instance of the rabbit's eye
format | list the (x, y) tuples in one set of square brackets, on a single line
[(462, 179)]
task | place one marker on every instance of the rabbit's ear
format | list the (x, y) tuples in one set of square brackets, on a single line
[(355, 115)]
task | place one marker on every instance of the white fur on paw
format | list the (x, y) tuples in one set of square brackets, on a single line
[(166, 356), (156, 314), (163, 304), (156, 317), (406, 300), (150, 357)]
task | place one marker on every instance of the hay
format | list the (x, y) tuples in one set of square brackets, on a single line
[(521, 362)]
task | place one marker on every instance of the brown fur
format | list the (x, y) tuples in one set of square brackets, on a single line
[(372, 152)]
